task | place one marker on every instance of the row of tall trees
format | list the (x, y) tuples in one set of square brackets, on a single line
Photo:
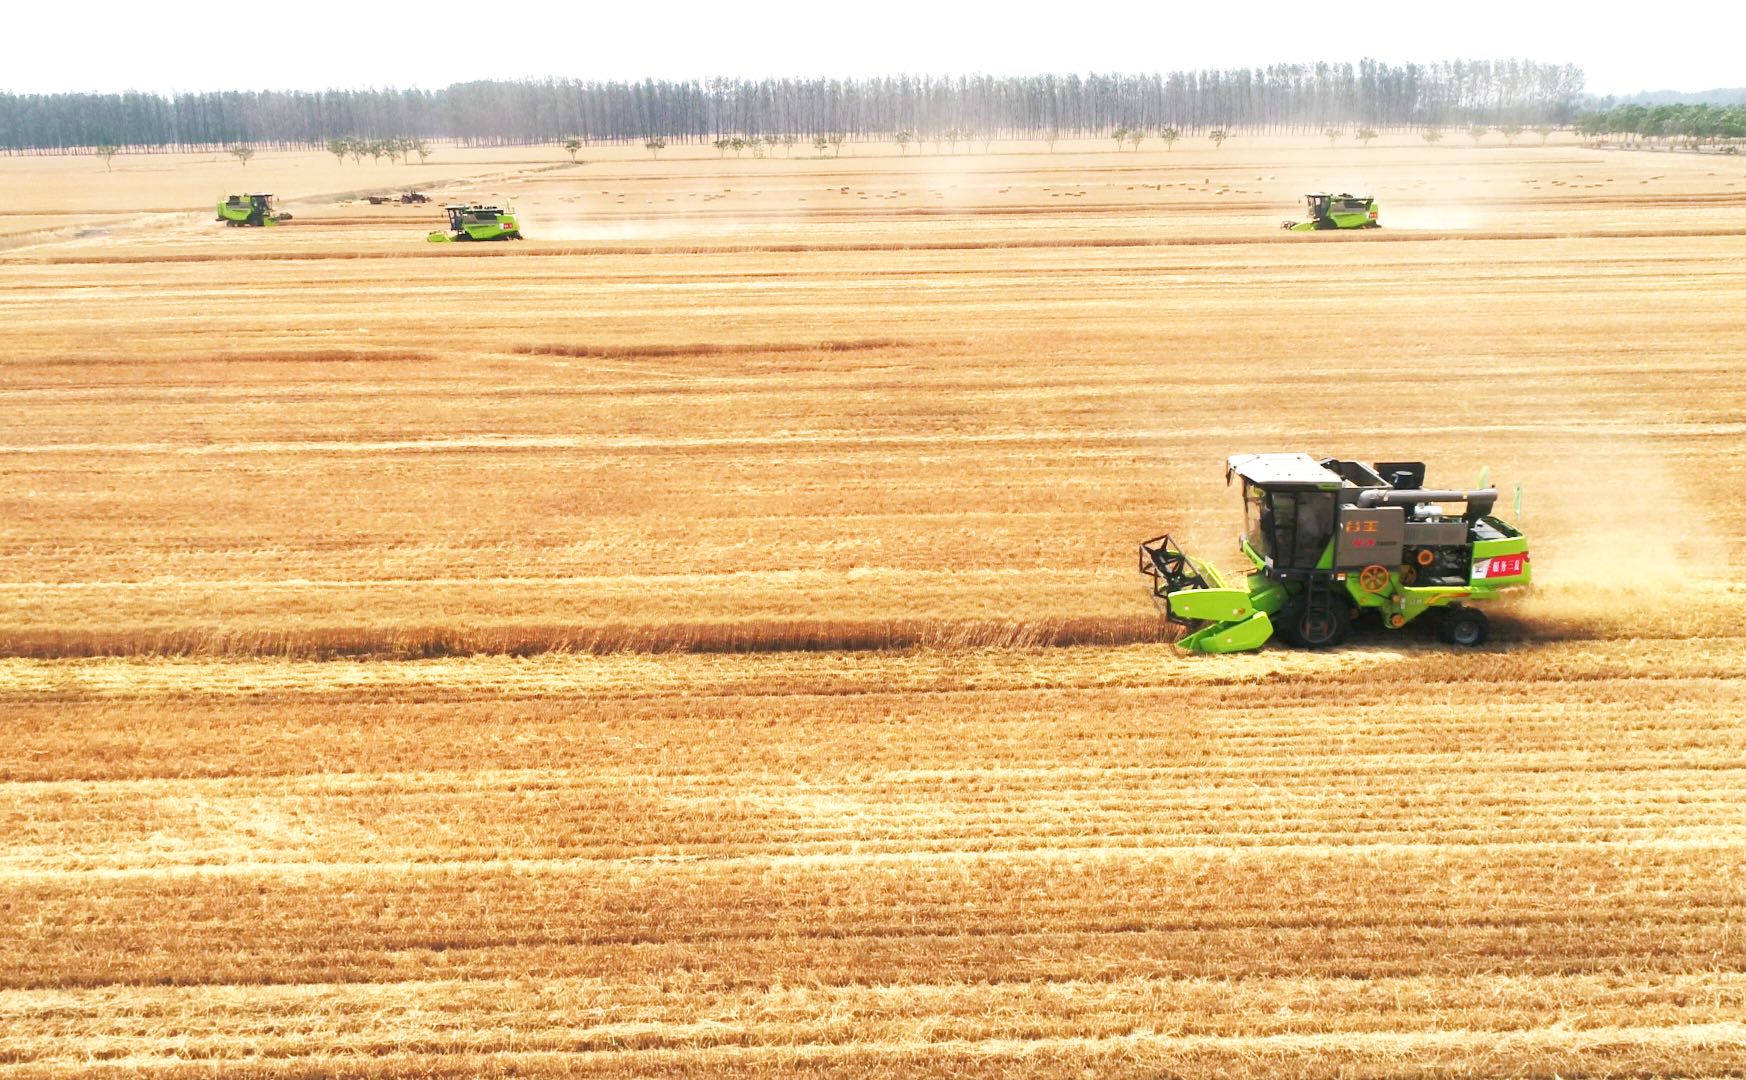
[(1695, 126), (1287, 97)]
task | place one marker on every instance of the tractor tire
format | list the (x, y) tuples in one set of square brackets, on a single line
[(1322, 627), (1464, 626)]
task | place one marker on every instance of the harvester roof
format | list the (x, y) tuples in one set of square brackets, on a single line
[(1282, 470)]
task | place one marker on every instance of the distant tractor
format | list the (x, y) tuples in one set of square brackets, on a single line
[(477, 222), (1330, 540), (249, 211), (1337, 212)]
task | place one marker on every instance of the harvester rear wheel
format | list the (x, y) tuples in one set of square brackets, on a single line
[(1464, 626), (1321, 626)]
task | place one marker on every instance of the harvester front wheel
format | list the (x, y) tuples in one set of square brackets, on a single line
[(1321, 626), (1464, 626)]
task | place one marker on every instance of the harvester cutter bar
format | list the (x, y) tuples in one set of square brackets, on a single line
[(1171, 570)]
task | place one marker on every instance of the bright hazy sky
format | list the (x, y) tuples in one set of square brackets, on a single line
[(182, 45)]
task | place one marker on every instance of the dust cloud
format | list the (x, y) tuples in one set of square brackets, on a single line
[(1621, 545)]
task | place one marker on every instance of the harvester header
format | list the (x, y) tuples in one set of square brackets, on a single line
[(1329, 540)]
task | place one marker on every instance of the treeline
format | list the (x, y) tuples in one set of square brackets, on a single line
[(1696, 126), (1283, 98)]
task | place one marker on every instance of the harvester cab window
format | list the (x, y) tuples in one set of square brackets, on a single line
[(1303, 522), (1318, 206), (1315, 527), (1257, 521)]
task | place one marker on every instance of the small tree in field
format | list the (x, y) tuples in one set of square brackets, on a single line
[(771, 142), (1477, 132), (107, 152), (721, 146), (788, 142), (738, 145), (1432, 135), (1218, 137), (1135, 137), (422, 149), (357, 148), (837, 138), (377, 148), (1052, 136), (820, 143), (339, 148), (242, 153), (1544, 131), (1170, 135), (1120, 135), (654, 146), (1366, 134), (574, 146), (1334, 135), (1510, 132), (903, 139)]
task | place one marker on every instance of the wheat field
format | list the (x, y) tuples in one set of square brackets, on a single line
[(704, 638)]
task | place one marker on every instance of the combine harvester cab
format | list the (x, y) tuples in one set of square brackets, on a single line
[(477, 222), (249, 211), (1337, 212), (1330, 540)]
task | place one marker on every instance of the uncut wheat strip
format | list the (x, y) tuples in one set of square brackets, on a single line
[(1577, 901), (1712, 1049), (1707, 838), (460, 1018), (1367, 783), (848, 951), (1131, 666), (1179, 1005), (417, 818), (1166, 739)]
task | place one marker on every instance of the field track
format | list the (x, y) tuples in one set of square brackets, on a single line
[(703, 639)]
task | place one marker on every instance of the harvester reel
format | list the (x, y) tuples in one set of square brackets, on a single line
[(1373, 578)]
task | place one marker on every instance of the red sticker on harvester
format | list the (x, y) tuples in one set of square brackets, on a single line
[(1499, 566)]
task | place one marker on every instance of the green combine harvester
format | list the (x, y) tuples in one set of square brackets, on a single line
[(477, 222), (249, 211), (1328, 541), (1337, 212)]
